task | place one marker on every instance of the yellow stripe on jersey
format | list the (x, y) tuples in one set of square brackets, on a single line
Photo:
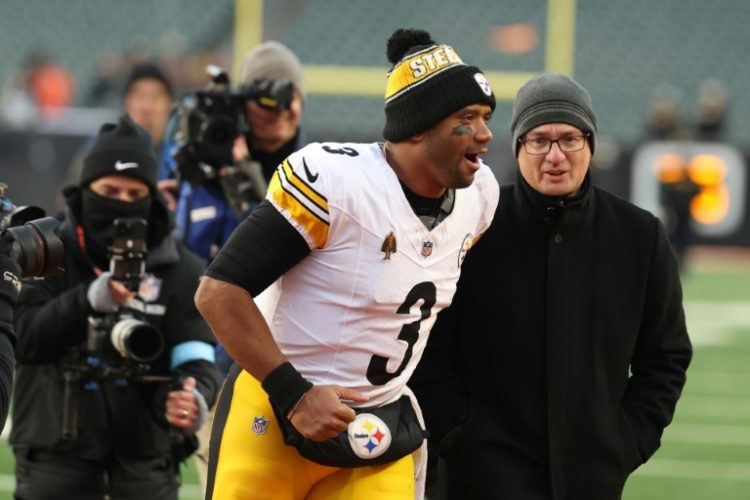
[(318, 199), (418, 67), (307, 207)]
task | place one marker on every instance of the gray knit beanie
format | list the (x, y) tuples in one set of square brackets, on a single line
[(272, 61), (550, 98)]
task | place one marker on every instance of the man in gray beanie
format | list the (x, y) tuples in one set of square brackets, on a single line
[(561, 359), (271, 78), (548, 98)]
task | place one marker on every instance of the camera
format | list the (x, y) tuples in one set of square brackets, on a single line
[(120, 345), (36, 248), (205, 125), (122, 335), (131, 338), (127, 254)]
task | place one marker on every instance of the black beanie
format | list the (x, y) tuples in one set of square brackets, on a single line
[(427, 83), (148, 70), (550, 98), (122, 148)]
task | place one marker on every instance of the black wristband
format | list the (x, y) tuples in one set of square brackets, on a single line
[(285, 386)]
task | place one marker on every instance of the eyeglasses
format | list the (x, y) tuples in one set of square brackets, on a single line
[(542, 145)]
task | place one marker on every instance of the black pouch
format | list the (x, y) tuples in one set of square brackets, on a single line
[(374, 444)]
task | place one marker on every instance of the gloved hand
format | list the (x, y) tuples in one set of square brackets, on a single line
[(99, 295), (10, 271)]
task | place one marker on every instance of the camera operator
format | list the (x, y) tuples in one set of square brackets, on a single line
[(10, 285), (131, 432), (271, 81), (273, 96)]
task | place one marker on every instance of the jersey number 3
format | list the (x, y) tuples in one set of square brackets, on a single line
[(425, 291)]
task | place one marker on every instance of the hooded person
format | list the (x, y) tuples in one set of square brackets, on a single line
[(122, 149), (86, 398)]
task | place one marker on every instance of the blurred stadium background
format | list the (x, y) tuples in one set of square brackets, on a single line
[(668, 80)]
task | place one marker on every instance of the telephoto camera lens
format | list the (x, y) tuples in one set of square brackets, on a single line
[(137, 340), (36, 248)]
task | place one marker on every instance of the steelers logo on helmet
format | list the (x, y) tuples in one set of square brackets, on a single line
[(369, 436), (484, 84)]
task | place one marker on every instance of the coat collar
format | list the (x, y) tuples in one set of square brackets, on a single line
[(559, 211)]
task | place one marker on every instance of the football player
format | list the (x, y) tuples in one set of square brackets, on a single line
[(364, 245)]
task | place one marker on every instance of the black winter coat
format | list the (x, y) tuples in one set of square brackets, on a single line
[(560, 361), (7, 339), (113, 416)]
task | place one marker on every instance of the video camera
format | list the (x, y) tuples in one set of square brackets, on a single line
[(207, 124), (36, 248), (119, 345)]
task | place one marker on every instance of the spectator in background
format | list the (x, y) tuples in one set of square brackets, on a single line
[(52, 86), (676, 193), (562, 356), (106, 90), (712, 111), (147, 98), (38, 90), (663, 116), (131, 432)]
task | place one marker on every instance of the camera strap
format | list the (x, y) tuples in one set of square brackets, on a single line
[(81, 236)]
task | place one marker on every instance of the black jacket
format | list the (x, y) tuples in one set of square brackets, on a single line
[(561, 359), (51, 322), (7, 339)]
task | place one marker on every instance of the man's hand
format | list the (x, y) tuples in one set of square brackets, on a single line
[(169, 188), (321, 414), (240, 150), (182, 406), (105, 294)]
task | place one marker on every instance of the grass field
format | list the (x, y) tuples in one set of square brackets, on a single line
[(705, 453)]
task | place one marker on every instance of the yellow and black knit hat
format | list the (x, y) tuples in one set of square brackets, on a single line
[(427, 83)]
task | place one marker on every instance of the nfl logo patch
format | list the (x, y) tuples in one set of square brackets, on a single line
[(426, 249), (260, 425), (369, 437), (149, 288)]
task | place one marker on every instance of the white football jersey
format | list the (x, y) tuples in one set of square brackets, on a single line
[(357, 310)]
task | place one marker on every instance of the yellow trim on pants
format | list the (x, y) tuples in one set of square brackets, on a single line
[(255, 465)]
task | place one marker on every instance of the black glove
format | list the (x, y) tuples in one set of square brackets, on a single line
[(10, 271)]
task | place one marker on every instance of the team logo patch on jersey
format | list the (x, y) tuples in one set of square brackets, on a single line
[(149, 288), (260, 425), (389, 246), (465, 246), (426, 249), (369, 437)]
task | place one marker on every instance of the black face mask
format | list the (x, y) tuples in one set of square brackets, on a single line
[(98, 215)]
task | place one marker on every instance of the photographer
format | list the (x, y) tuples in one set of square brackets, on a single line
[(9, 287), (131, 427), (207, 213)]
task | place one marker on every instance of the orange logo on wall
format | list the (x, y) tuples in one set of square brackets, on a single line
[(706, 173)]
